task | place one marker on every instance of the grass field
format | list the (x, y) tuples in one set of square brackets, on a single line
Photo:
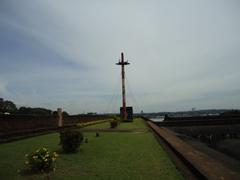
[(113, 155), (137, 123)]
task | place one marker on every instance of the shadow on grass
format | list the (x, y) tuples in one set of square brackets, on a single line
[(61, 152), (29, 173)]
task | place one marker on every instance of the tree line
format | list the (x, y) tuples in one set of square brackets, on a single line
[(9, 107)]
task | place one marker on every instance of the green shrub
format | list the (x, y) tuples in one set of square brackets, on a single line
[(113, 123), (115, 117), (70, 140), (41, 160)]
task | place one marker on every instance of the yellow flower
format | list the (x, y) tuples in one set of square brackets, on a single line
[(55, 154), (34, 157)]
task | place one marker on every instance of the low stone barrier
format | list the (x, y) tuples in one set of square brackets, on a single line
[(207, 167)]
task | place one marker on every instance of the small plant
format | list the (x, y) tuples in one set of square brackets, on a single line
[(41, 160), (97, 134), (70, 140), (115, 117), (113, 123)]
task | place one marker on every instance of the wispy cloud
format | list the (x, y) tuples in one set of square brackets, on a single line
[(3, 88), (58, 53)]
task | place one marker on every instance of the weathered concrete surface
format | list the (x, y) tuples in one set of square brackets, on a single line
[(204, 164)]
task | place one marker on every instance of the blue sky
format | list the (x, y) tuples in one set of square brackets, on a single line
[(59, 53)]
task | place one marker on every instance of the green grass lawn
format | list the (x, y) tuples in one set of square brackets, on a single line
[(104, 125), (111, 156), (137, 123)]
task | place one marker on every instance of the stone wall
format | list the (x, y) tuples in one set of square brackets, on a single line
[(13, 123)]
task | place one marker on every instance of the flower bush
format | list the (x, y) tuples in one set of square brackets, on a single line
[(41, 160)]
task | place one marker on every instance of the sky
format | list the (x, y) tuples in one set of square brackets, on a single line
[(183, 54)]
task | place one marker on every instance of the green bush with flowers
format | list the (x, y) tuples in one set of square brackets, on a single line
[(41, 160)]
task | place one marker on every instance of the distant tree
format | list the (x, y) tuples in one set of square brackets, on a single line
[(91, 113), (231, 113), (10, 107), (65, 113), (40, 111), (55, 113), (24, 110), (1, 105), (7, 106), (34, 111)]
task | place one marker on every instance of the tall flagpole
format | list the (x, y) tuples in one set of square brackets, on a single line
[(123, 63)]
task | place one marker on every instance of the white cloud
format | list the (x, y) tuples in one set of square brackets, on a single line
[(3, 88), (178, 51)]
